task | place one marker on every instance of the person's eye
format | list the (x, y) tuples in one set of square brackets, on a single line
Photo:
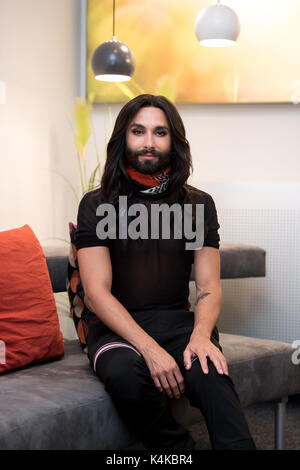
[(161, 133), (137, 131)]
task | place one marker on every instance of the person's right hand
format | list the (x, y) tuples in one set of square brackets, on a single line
[(164, 371)]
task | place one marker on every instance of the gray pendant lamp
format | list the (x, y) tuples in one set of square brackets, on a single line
[(217, 26), (113, 61)]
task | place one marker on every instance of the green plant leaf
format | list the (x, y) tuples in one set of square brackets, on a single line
[(92, 177), (81, 114)]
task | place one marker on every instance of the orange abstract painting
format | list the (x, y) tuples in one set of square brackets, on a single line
[(263, 66)]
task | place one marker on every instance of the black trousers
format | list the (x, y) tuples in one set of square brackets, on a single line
[(145, 409)]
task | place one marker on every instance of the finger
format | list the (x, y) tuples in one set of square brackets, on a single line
[(187, 359), (174, 387), (166, 386), (175, 381), (217, 360), (224, 365), (158, 384), (180, 381), (203, 363), (220, 363)]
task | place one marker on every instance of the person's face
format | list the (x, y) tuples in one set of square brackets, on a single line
[(148, 141)]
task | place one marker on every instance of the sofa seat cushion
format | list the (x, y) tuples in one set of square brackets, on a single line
[(262, 369), (59, 405)]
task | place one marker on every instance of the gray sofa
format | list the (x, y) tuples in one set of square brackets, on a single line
[(63, 405)]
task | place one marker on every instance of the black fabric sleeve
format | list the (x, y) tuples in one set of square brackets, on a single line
[(211, 224), (87, 220)]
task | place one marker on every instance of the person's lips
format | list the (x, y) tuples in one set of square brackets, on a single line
[(148, 156)]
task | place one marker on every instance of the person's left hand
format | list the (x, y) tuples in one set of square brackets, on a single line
[(202, 347)]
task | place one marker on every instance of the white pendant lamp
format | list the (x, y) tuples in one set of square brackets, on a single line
[(217, 26), (113, 61)]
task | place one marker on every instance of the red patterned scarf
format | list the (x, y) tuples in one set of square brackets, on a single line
[(157, 182)]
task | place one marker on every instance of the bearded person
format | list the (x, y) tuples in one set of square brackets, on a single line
[(144, 342)]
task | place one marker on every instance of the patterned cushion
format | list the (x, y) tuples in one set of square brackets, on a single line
[(78, 305)]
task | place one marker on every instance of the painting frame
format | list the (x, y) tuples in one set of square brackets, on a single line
[(292, 96)]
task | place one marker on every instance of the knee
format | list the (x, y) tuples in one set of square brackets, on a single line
[(196, 380), (123, 374)]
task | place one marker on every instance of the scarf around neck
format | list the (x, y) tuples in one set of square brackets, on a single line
[(157, 182)]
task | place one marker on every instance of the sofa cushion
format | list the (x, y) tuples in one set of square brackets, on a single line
[(29, 327), (78, 304), (263, 369), (59, 405)]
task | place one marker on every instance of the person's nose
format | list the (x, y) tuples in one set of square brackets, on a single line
[(149, 140)]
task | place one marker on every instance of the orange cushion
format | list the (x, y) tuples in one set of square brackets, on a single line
[(29, 326)]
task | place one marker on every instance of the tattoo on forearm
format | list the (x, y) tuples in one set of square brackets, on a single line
[(200, 297)]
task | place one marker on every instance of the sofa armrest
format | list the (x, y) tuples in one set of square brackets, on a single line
[(57, 263)]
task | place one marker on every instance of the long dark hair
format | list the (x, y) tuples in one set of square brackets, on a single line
[(115, 180)]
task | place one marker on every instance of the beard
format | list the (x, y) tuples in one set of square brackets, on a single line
[(148, 167)]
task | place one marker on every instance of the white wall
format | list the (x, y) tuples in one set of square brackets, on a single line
[(239, 151), (229, 142), (39, 64)]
